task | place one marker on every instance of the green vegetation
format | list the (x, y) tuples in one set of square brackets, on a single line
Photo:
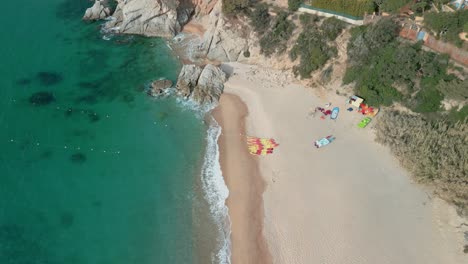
[(275, 39), (431, 144), (232, 7), (293, 5), (314, 45), (432, 151), (391, 6), (355, 8), (260, 18), (399, 72), (447, 25)]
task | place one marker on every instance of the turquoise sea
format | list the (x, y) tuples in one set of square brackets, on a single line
[(92, 170)]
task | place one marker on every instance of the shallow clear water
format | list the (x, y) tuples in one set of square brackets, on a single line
[(91, 170)]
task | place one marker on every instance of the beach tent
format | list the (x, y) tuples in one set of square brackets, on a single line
[(355, 101), (368, 110)]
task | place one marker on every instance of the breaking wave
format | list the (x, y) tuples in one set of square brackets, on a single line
[(216, 193)]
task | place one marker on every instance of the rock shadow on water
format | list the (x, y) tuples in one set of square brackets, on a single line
[(46, 154), (41, 98), (23, 81), (67, 219), (93, 117), (78, 158), (69, 10), (49, 78)]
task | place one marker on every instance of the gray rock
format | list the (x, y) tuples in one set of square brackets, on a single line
[(99, 10), (150, 17), (188, 79), (202, 85)]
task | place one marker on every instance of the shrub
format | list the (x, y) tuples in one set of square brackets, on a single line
[(260, 18), (274, 41), (332, 27), (428, 100), (308, 19), (447, 25), (314, 51), (293, 5), (231, 7), (430, 150)]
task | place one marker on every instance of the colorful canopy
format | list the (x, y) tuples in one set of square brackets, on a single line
[(261, 146)]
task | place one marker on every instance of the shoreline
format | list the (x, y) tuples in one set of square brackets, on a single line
[(246, 185), (350, 202)]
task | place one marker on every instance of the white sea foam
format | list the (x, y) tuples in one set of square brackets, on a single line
[(216, 193)]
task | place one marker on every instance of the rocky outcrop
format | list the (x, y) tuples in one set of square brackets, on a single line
[(99, 10), (210, 85), (159, 87), (202, 85), (150, 17), (221, 40)]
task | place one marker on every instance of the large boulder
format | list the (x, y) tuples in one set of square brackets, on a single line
[(188, 79), (150, 17), (99, 10), (159, 87), (202, 85)]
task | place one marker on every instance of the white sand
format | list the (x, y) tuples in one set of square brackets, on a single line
[(349, 202)]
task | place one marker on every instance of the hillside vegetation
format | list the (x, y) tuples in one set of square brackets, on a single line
[(386, 71), (315, 45), (447, 25), (433, 151), (432, 145)]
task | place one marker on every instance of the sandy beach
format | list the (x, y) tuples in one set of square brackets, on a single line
[(349, 202), (246, 186)]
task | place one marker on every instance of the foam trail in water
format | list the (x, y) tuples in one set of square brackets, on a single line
[(216, 192)]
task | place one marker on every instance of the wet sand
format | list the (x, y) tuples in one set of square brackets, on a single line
[(246, 186)]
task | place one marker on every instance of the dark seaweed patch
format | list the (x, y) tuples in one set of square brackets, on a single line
[(23, 81), (41, 98), (66, 219), (93, 116), (162, 116), (47, 154), (128, 98), (87, 99), (78, 158), (97, 204), (68, 112), (49, 78), (88, 85), (19, 246)]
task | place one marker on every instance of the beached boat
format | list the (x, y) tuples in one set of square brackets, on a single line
[(364, 122), (324, 141), (334, 113)]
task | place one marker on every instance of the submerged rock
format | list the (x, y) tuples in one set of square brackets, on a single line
[(42, 98), (78, 158), (23, 81), (99, 10), (49, 78)]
